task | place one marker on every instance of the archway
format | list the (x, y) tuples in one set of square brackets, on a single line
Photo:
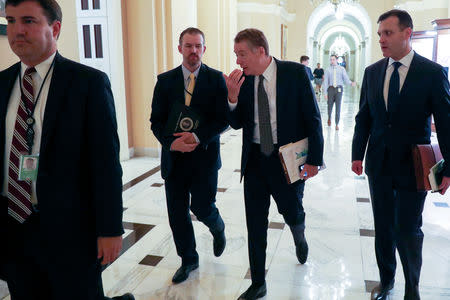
[(355, 24)]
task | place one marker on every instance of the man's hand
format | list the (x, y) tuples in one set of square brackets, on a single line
[(184, 143), (353, 83), (325, 96), (308, 171), (234, 82), (444, 185), (190, 138), (357, 167), (109, 248)]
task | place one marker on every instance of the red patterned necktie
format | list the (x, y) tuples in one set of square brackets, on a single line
[(19, 192)]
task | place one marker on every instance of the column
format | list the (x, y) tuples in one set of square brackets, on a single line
[(217, 19)]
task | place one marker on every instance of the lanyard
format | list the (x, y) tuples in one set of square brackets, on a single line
[(30, 119)]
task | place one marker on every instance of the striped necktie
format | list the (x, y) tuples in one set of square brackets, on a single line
[(19, 192)]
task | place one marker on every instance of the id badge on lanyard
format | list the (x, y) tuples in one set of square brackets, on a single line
[(28, 164), (28, 167)]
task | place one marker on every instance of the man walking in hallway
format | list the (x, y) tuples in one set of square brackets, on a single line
[(399, 94), (191, 159), (334, 79), (318, 79), (273, 101), (304, 60), (59, 224)]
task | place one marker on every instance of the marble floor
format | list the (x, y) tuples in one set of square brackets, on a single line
[(341, 263)]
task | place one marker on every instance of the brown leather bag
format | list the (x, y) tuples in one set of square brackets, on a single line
[(424, 157)]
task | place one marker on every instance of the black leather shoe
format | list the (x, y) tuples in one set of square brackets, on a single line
[(127, 296), (219, 242), (254, 292), (412, 293), (183, 272), (381, 292), (302, 251)]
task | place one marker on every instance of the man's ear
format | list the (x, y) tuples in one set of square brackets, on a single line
[(56, 26)]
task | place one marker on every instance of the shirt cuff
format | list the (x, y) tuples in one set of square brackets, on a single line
[(196, 138), (232, 105)]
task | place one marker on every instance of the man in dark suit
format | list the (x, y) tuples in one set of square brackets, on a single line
[(274, 104), (62, 224), (304, 60), (399, 94), (190, 160)]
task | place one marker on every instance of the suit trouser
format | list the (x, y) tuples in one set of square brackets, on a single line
[(397, 209), (264, 177), (190, 177), (33, 274), (334, 96)]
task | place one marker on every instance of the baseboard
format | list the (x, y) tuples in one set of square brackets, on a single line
[(147, 152)]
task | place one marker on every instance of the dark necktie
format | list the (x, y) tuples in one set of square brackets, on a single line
[(394, 87), (265, 130), (19, 192)]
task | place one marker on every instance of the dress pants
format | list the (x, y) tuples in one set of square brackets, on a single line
[(264, 177), (334, 97), (397, 209), (191, 185), (33, 274)]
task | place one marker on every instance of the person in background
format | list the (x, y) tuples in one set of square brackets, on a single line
[(334, 79), (304, 60), (318, 78)]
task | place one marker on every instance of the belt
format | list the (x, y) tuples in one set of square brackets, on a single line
[(258, 146)]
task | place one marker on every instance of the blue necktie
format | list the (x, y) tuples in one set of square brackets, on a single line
[(394, 87)]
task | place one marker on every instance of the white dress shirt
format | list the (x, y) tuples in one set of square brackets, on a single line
[(13, 105), (335, 76), (402, 72), (270, 86)]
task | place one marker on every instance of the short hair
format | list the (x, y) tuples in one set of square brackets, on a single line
[(191, 30), (254, 38), (404, 19), (335, 56), (304, 58), (51, 8)]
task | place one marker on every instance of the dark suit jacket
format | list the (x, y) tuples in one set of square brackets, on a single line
[(298, 115), (79, 184), (424, 92), (208, 99)]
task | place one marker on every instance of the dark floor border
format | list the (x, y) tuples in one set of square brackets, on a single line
[(144, 176)]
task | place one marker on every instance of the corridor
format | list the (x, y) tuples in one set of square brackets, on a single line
[(341, 262)]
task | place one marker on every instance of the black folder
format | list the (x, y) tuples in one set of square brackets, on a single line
[(182, 118)]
